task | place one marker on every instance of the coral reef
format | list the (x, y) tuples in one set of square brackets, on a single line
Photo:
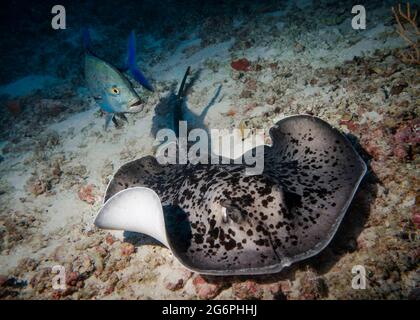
[(271, 60), (407, 28), (86, 194)]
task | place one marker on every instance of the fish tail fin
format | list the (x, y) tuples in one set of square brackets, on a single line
[(131, 63), (86, 39), (131, 60)]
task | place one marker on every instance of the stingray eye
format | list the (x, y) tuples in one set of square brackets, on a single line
[(114, 90), (231, 212)]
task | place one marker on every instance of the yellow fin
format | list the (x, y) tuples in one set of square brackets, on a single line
[(242, 129)]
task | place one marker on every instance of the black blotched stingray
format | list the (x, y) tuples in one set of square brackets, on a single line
[(218, 220)]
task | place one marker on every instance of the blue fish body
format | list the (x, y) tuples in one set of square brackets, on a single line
[(110, 88)]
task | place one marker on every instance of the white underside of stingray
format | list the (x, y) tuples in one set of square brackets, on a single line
[(139, 209), (135, 209)]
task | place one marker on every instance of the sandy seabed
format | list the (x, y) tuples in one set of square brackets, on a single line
[(56, 159)]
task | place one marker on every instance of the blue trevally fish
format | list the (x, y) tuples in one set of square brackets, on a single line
[(109, 86)]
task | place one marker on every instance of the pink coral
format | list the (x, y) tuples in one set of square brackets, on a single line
[(127, 249), (14, 107), (72, 278), (109, 239), (248, 290), (410, 133), (241, 65), (37, 186), (177, 279), (86, 194), (206, 290), (416, 213), (3, 279), (416, 219), (351, 125), (251, 84), (405, 138)]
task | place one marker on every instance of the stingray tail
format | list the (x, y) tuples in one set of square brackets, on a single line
[(181, 90), (178, 113)]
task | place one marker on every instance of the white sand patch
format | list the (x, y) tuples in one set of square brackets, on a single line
[(270, 52), (174, 67), (371, 40), (63, 211), (28, 85), (371, 116), (17, 178)]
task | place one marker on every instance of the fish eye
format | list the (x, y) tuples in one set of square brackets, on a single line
[(115, 90)]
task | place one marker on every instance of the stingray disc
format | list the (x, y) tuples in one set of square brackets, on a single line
[(218, 220)]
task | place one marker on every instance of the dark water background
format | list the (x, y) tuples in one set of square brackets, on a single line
[(29, 45)]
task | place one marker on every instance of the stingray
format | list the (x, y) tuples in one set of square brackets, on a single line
[(218, 220)]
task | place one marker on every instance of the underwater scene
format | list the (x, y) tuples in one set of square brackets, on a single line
[(200, 150)]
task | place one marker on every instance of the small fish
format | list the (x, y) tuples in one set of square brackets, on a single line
[(110, 88)]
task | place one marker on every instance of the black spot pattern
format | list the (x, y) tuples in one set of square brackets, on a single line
[(257, 224), (147, 172)]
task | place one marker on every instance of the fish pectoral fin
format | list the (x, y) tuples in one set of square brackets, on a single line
[(108, 118), (123, 117), (113, 117), (117, 123)]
